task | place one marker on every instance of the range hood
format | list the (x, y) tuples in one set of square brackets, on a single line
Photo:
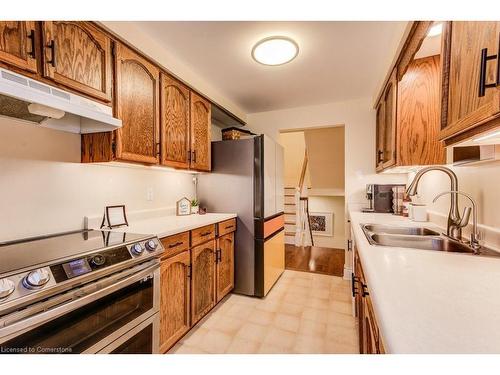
[(26, 99)]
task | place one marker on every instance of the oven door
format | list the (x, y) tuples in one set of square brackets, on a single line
[(88, 319)]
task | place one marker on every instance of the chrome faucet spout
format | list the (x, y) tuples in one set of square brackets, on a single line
[(454, 230)]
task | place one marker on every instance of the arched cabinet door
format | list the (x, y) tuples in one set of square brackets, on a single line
[(225, 265), (201, 114), (78, 55), (18, 44), (174, 123), (174, 299), (137, 105), (202, 280)]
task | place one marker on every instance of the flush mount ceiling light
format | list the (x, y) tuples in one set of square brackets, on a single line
[(275, 50), (435, 30)]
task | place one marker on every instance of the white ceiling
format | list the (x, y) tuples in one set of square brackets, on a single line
[(337, 60)]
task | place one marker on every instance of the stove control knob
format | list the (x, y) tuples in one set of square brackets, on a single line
[(7, 287), (137, 249), (151, 245), (98, 260), (36, 279)]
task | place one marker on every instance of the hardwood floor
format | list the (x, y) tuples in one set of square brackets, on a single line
[(315, 259)]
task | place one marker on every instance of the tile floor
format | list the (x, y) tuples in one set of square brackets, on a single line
[(303, 313)]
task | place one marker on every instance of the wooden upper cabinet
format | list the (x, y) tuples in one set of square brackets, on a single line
[(174, 299), (418, 117), (18, 44), (174, 123), (202, 280), (78, 55), (137, 105), (200, 133), (464, 107), (225, 265), (389, 137)]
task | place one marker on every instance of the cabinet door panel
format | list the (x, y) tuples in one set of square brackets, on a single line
[(389, 133), (200, 133), (137, 104), (202, 280), (174, 123), (78, 55), (225, 265), (174, 299), (17, 44), (465, 108)]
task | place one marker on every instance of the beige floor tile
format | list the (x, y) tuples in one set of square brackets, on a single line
[(334, 347), (268, 305), (239, 311), (312, 328), (319, 293), (341, 307), (316, 315), (253, 332), (228, 324), (186, 349), (215, 342), (343, 320), (318, 303), (340, 296), (302, 282), (195, 336), (342, 335), (261, 317), (272, 349), (290, 309), (280, 338), (296, 299), (286, 322), (309, 345), (242, 346)]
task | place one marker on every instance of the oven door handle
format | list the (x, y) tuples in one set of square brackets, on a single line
[(15, 324)]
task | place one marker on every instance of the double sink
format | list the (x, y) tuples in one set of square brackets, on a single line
[(417, 238)]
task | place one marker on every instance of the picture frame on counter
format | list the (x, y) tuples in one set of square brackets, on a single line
[(114, 217), (183, 207)]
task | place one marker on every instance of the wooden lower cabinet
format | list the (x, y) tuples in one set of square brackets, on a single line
[(203, 280), (225, 265), (370, 341), (174, 299)]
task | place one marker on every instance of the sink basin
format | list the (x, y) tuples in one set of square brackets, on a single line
[(419, 242), (388, 229)]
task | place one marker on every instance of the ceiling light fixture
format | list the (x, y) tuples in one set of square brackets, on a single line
[(435, 30), (275, 50)]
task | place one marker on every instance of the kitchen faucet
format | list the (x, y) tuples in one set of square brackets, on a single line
[(454, 229), (474, 236)]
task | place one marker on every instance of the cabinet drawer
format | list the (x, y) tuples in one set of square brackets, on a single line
[(227, 226), (175, 244), (203, 234)]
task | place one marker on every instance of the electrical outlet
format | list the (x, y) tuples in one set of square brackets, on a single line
[(150, 194)]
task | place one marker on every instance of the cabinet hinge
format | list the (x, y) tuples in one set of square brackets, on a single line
[(190, 271), (113, 148), (158, 148), (349, 245)]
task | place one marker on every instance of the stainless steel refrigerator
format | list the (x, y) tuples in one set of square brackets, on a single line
[(247, 178)]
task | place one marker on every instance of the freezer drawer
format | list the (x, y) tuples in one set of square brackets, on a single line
[(274, 260)]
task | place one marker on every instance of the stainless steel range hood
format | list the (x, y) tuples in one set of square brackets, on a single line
[(33, 101)]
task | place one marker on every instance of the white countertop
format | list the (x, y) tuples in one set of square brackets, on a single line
[(163, 226), (430, 301)]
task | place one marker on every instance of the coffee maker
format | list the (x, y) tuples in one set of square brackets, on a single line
[(380, 198)]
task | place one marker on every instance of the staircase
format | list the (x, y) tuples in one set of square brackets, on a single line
[(290, 215)]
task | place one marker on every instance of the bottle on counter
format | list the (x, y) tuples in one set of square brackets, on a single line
[(406, 205)]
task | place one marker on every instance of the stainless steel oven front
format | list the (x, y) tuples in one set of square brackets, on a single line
[(116, 314)]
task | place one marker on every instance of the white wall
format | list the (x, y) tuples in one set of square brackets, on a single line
[(359, 120), (481, 182), (44, 188)]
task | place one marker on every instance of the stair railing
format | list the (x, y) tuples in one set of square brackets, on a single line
[(302, 218)]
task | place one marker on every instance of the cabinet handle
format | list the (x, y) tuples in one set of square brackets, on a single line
[(190, 271), (229, 227), (205, 234), (193, 158), (364, 293), (175, 244), (158, 148), (482, 70), (354, 280), (31, 37), (380, 156), (52, 47)]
